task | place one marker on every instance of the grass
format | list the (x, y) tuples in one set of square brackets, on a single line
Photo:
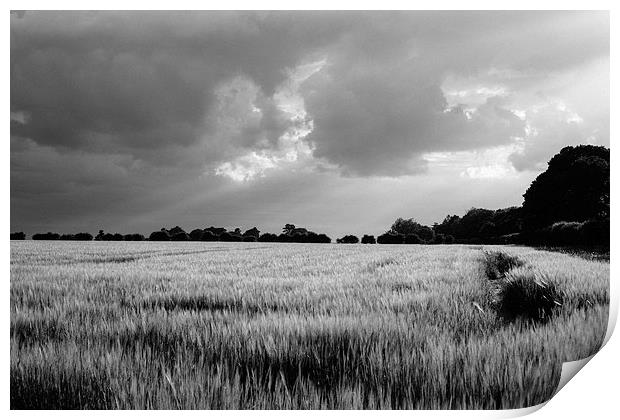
[(298, 326)]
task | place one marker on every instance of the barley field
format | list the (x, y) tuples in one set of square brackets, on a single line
[(296, 326)]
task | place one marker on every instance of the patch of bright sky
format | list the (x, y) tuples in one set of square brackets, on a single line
[(487, 163), (291, 148)]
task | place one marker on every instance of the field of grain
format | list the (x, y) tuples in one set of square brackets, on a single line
[(292, 326)]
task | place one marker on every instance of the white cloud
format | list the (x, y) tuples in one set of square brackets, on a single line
[(492, 163)]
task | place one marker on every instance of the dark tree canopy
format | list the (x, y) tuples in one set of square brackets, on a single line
[(574, 188), (208, 236), (254, 232), (368, 239), (348, 239), (49, 236), (133, 237), (411, 227), (196, 234), (161, 235), (412, 238), (405, 226), (479, 225), (390, 238)]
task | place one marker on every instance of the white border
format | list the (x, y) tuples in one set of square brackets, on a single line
[(593, 393)]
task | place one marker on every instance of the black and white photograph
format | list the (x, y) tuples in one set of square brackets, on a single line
[(306, 209)]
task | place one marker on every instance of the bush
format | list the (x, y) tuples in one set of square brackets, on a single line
[(230, 237), (255, 233), (180, 236), (425, 233), (83, 236), (299, 237), (497, 264), (215, 231), (18, 236), (448, 239), (412, 238), (133, 237), (49, 236), (368, 239), (196, 234), (565, 233), (283, 237), (175, 230), (160, 235), (595, 233), (268, 237), (512, 238), (249, 238), (525, 295), (390, 238), (348, 239), (208, 236), (322, 238)]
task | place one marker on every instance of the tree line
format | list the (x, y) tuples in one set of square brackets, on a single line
[(566, 205), (290, 233)]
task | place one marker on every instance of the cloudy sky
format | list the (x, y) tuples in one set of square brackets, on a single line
[(337, 121)]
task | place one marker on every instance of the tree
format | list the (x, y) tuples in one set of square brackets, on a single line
[(390, 238), (368, 239), (412, 238), (196, 234), (348, 239), (18, 236), (230, 237), (470, 224), (216, 231), (425, 233), (49, 236), (574, 188), (180, 236), (161, 235), (83, 236), (405, 226), (288, 228), (439, 238), (322, 238), (410, 226), (449, 226), (268, 237), (175, 230), (209, 236), (133, 237), (252, 232)]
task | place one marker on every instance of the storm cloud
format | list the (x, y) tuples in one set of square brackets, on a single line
[(172, 115)]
